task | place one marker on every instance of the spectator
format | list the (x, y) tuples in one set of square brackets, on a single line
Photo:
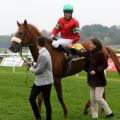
[(43, 82), (96, 78)]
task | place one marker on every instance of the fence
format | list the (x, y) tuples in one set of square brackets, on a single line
[(13, 59)]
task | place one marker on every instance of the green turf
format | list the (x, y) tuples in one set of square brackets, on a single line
[(14, 94)]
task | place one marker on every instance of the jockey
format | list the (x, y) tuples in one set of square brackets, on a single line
[(68, 28)]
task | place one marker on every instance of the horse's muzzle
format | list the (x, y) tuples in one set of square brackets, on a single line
[(12, 49)]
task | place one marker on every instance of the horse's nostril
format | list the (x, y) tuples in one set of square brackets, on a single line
[(11, 48)]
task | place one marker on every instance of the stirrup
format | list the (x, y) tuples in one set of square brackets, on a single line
[(70, 57), (68, 67)]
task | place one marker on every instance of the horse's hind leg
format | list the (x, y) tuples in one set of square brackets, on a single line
[(86, 111), (58, 87)]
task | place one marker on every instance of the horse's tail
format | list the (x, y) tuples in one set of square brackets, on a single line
[(114, 58)]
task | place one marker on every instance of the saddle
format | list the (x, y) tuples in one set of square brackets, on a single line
[(74, 56)]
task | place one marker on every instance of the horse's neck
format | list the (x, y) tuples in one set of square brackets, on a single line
[(50, 48), (33, 48), (34, 51)]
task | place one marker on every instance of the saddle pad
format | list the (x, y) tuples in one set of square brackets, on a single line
[(78, 46)]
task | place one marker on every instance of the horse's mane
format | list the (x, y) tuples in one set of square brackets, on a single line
[(34, 29), (35, 32)]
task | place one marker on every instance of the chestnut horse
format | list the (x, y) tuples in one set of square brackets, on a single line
[(27, 35)]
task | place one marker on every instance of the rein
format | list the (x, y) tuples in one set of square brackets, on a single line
[(25, 61), (20, 53), (22, 44)]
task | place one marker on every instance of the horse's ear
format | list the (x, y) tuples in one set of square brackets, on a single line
[(18, 24), (25, 22)]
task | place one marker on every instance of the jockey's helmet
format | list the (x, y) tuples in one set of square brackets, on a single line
[(68, 8)]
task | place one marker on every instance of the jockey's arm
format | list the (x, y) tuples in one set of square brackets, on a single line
[(76, 31), (55, 30), (76, 38)]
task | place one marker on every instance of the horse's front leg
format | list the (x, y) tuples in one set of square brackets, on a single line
[(58, 87), (40, 100)]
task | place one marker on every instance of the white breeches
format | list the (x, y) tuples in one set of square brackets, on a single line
[(61, 41)]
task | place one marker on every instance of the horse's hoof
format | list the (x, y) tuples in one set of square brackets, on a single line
[(65, 115), (85, 112)]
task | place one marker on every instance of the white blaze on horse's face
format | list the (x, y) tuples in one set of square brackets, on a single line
[(15, 39)]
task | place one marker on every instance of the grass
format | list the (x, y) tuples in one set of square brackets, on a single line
[(14, 94)]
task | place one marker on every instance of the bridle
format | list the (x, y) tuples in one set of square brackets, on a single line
[(20, 45), (24, 34)]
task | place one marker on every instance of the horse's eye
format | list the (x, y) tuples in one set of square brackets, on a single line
[(20, 33)]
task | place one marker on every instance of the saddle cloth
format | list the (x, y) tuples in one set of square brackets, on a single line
[(78, 47)]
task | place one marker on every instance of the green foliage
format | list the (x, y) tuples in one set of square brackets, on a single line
[(4, 41), (107, 35), (14, 94)]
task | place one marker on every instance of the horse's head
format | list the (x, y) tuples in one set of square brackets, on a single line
[(23, 37)]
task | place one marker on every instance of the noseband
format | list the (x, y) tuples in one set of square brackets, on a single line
[(19, 41)]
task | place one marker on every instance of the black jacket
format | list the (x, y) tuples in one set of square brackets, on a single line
[(98, 63)]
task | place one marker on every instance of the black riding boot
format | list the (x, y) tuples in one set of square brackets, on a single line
[(67, 51), (77, 52), (73, 51), (62, 48)]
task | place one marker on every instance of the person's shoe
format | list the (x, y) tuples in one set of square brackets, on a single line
[(110, 115)]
